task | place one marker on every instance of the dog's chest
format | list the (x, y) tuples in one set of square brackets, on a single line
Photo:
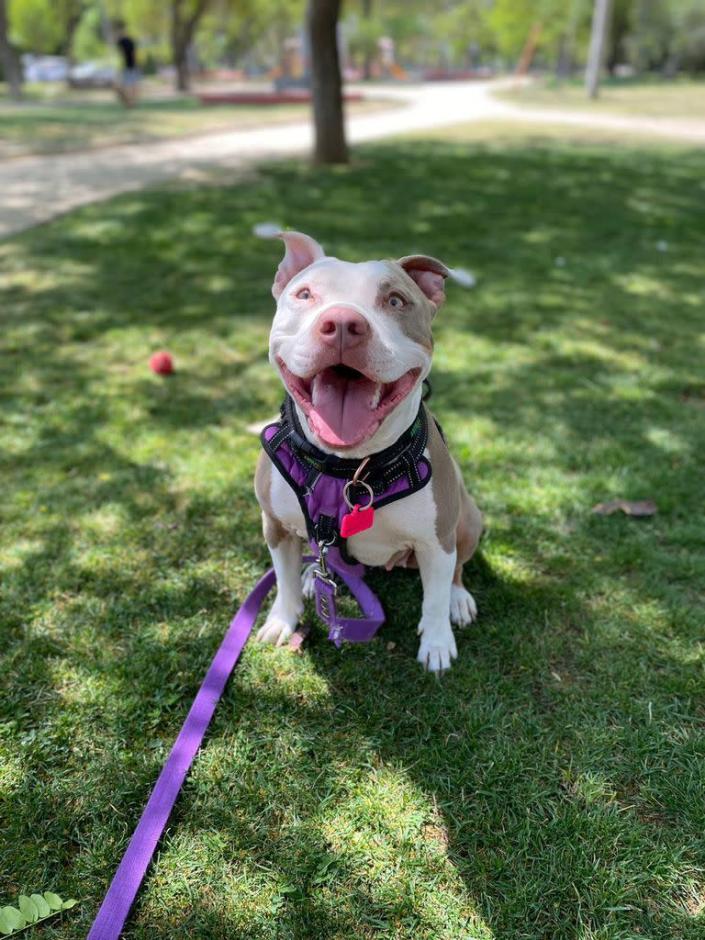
[(397, 526)]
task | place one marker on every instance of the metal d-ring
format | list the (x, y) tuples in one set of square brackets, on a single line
[(365, 486)]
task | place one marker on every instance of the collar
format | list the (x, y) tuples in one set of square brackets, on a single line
[(381, 467)]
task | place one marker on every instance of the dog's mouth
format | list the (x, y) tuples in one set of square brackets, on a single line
[(343, 406)]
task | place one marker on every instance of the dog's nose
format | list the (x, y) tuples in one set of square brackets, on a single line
[(342, 326)]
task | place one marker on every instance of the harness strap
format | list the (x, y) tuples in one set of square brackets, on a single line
[(126, 882)]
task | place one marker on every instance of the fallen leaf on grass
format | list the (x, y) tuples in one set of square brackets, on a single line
[(465, 278), (630, 507), (267, 229)]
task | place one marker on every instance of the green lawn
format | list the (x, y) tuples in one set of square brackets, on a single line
[(83, 121), (639, 98), (552, 785)]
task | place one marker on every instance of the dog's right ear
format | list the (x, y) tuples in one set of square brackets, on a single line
[(301, 251)]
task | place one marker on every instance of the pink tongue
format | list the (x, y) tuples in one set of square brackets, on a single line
[(342, 408)]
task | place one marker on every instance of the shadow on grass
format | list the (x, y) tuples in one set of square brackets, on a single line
[(551, 784)]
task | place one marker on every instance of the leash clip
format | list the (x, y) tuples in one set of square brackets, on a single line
[(326, 588), (321, 572)]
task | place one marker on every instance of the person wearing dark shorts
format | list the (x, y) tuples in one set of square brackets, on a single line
[(127, 85)]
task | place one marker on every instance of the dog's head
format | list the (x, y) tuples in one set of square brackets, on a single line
[(352, 342)]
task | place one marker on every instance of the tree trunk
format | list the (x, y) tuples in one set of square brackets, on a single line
[(367, 58), (12, 69), (182, 30), (326, 83), (598, 44), (72, 25), (183, 73)]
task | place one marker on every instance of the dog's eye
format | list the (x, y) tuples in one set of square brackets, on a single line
[(304, 294), (396, 301)]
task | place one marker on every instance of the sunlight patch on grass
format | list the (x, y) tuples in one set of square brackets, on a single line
[(643, 285)]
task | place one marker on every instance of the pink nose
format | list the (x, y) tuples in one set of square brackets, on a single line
[(343, 327)]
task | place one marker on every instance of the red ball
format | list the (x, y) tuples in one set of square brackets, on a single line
[(161, 363)]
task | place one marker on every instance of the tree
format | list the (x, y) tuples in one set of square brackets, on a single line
[(47, 26), (12, 70), (598, 43), (185, 16), (326, 84), (688, 44), (618, 31), (516, 22), (69, 14), (369, 51)]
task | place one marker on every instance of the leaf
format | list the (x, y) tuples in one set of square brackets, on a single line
[(11, 918), (42, 906), (67, 905), (630, 507), (266, 229), (53, 900), (465, 278), (29, 909)]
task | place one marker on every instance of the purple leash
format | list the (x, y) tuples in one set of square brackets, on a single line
[(127, 879)]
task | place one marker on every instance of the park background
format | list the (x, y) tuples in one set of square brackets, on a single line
[(551, 785)]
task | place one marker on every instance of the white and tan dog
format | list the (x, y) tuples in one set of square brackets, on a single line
[(352, 343)]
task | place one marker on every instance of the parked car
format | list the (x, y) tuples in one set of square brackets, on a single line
[(45, 68), (92, 75)]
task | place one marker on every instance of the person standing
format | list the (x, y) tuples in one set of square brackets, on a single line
[(127, 86)]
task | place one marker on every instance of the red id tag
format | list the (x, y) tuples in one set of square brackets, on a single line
[(357, 521)]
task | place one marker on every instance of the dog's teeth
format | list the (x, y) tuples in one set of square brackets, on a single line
[(376, 397), (315, 385)]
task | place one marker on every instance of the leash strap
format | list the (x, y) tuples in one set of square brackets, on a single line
[(127, 879)]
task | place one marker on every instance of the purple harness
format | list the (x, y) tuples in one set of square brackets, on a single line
[(326, 486)]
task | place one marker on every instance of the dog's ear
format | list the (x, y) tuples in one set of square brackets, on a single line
[(429, 274), (301, 251)]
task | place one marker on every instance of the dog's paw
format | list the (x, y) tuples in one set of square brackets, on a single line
[(275, 631), (437, 650), (308, 580), (463, 609)]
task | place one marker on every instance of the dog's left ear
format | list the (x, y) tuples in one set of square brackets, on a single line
[(301, 251), (429, 274)]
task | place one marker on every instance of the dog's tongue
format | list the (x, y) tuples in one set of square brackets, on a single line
[(343, 407)]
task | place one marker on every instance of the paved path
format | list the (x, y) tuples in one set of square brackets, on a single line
[(34, 189)]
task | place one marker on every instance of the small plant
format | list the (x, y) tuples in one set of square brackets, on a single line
[(30, 910)]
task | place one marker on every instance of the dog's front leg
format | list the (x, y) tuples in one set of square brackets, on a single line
[(437, 647), (288, 604)]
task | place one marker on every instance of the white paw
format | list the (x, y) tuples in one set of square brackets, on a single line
[(275, 631), (437, 649), (463, 608), (308, 580)]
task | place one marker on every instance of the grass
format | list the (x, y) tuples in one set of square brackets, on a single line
[(551, 786), (85, 121), (683, 98)]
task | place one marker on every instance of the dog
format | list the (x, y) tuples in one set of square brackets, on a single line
[(352, 344)]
